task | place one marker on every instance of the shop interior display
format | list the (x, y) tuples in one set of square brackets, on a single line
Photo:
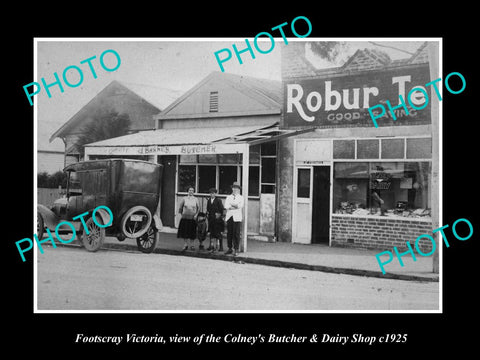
[(401, 210)]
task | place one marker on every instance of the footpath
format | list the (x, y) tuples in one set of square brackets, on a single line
[(313, 257)]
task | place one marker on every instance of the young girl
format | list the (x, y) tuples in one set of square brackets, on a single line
[(216, 233), (201, 229)]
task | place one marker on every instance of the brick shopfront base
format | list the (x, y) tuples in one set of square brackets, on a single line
[(376, 233)]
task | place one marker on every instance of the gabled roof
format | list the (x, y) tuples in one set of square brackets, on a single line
[(116, 94), (370, 59), (268, 92), (159, 97), (367, 57)]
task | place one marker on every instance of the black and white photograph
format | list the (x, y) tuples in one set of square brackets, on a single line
[(231, 182), (292, 181)]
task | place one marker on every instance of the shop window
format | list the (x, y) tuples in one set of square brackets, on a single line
[(207, 158), (253, 180), (229, 158), (303, 183), (419, 148), (268, 170), (368, 149), (396, 189), (269, 148), (227, 176), (268, 189), (393, 148), (206, 178), (255, 154), (186, 177), (351, 170), (268, 158), (188, 159), (344, 149)]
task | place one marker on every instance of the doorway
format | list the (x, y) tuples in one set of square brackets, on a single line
[(321, 205), (167, 210)]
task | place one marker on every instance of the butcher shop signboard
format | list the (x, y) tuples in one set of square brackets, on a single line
[(344, 100)]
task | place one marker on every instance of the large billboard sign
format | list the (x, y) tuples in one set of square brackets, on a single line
[(343, 100)]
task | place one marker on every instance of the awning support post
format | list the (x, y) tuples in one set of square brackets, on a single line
[(245, 176)]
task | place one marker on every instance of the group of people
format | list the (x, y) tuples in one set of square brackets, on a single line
[(195, 224)]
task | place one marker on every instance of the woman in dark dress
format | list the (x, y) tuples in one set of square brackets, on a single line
[(215, 218), (189, 208)]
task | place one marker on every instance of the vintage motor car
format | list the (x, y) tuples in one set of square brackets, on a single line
[(129, 188)]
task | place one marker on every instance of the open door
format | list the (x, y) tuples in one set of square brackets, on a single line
[(321, 205)]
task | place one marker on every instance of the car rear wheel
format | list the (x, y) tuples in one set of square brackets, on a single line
[(148, 241), (95, 237), (136, 222)]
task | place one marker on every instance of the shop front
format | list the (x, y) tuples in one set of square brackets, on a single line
[(245, 154), (355, 185)]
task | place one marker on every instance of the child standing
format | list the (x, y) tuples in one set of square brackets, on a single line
[(215, 211), (217, 233)]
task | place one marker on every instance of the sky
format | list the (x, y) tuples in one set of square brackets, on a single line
[(164, 63)]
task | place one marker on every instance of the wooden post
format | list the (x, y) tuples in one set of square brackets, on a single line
[(246, 168), (433, 58)]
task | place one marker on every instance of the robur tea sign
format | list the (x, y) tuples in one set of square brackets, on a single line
[(344, 100)]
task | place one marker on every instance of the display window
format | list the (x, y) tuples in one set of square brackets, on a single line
[(221, 170), (396, 189)]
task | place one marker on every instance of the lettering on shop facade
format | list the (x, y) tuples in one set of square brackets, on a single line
[(344, 100), (166, 149), (183, 150)]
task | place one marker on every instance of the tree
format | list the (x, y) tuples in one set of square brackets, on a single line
[(328, 50), (51, 181), (42, 179), (104, 125)]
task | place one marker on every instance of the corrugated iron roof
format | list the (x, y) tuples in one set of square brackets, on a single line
[(271, 89), (188, 136)]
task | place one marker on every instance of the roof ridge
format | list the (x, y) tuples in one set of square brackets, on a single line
[(126, 83), (246, 77), (267, 88)]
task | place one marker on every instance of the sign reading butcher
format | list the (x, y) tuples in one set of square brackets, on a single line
[(343, 100)]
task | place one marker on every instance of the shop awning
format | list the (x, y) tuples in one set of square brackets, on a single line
[(190, 141), (264, 134)]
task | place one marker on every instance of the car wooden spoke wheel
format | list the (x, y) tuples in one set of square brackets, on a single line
[(148, 241), (95, 237)]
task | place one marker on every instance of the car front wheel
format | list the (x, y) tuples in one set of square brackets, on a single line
[(95, 237)]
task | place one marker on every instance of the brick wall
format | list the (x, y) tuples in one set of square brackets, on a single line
[(376, 233)]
